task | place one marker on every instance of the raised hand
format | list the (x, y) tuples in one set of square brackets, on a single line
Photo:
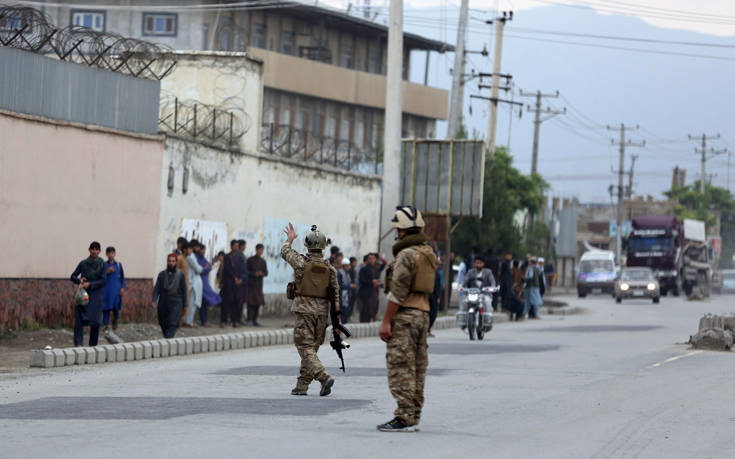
[(290, 232)]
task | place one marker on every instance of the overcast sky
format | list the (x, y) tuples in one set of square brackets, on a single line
[(607, 85), (656, 12)]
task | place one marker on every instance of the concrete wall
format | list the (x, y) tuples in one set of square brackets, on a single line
[(39, 85), (231, 81), (63, 186), (249, 196)]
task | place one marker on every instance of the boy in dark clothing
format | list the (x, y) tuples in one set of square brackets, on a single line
[(90, 275)]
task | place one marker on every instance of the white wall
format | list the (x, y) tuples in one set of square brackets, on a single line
[(255, 196), (230, 81)]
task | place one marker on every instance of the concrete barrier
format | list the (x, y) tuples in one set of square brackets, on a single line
[(70, 356), (716, 332), (163, 348)]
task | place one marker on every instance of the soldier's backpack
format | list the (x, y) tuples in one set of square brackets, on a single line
[(315, 280), (424, 271)]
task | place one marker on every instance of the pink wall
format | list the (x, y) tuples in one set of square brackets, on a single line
[(62, 186)]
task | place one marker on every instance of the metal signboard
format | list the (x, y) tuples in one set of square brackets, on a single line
[(443, 177), (566, 235)]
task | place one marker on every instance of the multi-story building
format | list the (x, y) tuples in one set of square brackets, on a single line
[(324, 69)]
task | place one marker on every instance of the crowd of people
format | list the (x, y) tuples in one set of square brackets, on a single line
[(231, 281), (188, 287), (522, 283), (191, 285)]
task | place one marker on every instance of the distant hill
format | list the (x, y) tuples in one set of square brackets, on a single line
[(669, 96)]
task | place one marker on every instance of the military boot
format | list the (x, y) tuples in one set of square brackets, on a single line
[(298, 391), (326, 386), (397, 425)]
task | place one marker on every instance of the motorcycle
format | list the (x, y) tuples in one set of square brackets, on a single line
[(477, 320)]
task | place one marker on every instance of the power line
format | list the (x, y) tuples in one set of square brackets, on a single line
[(618, 38), (638, 13), (667, 10), (623, 48)]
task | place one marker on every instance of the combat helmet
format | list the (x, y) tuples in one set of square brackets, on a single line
[(315, 240), (407, 217)]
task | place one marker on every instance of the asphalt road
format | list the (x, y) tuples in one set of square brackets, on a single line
[(616, 381)]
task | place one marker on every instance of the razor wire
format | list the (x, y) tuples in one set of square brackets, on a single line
[(32, 30), (195, 120)]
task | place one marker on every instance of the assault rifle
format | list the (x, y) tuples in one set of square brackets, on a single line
[(337, 343)]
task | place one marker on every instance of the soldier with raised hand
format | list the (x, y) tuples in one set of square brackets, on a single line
[(313, 277), (409, 282)]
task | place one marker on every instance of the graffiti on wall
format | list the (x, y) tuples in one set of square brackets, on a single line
[(251, 239), (279, 272), (212, 234)]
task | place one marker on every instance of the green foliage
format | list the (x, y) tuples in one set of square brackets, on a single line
[(705, 207), (507, 192)]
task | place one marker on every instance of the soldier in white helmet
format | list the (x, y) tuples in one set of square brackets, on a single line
[(409, 282), (313, 277)]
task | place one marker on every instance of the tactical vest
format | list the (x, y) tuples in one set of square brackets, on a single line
[(424, 271), (315, 281)]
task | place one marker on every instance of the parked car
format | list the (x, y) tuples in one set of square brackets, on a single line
[(637, 283), (596, 273), (728, 281)]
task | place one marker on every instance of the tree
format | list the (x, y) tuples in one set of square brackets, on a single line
[(507, 194), (715, 201)]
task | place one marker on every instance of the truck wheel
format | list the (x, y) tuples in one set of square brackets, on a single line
[(581, 293), (664, 291), (656, 299), (618, 299)]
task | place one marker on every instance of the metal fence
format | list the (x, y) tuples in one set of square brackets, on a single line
[(195, 120), (301, 144), (32, 30)]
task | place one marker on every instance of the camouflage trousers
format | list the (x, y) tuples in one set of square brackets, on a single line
[(407, 361), (308, 335)]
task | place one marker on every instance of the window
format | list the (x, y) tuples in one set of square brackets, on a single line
[(94, 20), (316, 123), (373, 60), (346, 57), (161, 24), (259, 33), (287, 42)]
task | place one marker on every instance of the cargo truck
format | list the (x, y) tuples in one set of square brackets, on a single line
[(675, 251)]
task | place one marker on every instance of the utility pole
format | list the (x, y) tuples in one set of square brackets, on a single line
[(537, 121), (629, 191), (492, 119), (703, 152), (392, 136), (621, 165), (456, 97), (728, 171)]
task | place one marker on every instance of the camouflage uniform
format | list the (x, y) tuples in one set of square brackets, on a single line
[(311, 319), (406, 354)]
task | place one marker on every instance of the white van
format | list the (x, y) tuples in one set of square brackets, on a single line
[(596, 273)]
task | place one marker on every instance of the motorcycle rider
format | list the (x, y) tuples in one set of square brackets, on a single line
[(485, 276)]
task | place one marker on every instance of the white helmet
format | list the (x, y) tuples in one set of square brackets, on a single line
[(407, 217)]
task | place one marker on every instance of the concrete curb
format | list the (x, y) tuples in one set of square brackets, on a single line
[(164, 348)]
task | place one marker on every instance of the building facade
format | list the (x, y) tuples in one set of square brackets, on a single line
[(325, 70)]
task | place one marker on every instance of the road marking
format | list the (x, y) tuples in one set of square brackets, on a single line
[(671, 359)]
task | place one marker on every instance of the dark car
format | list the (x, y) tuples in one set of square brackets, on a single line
[(637, 283)]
